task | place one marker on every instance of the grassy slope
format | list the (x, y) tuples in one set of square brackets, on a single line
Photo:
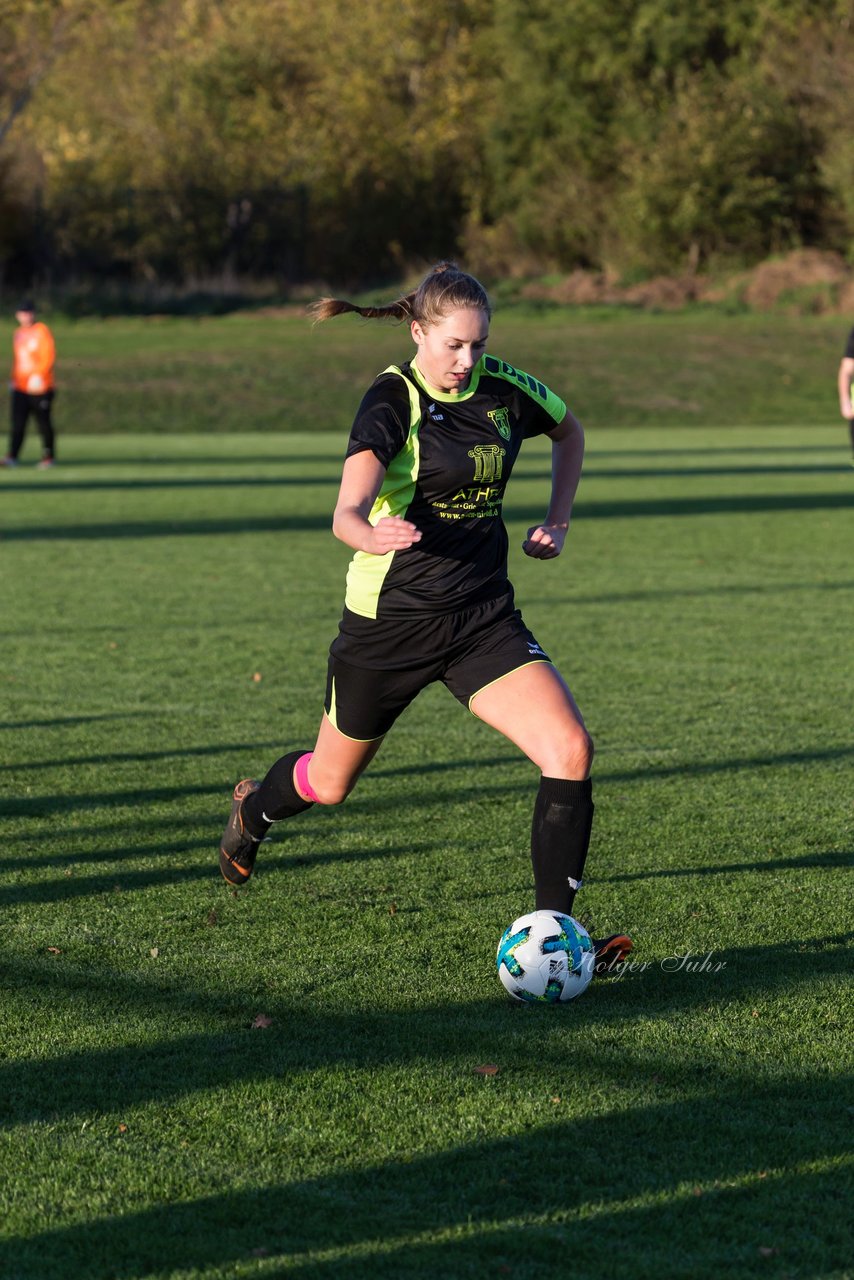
[(275, 372), (673, 1123)]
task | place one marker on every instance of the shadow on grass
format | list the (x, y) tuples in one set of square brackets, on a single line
[(303, 1037), (715, 1166), (44, 806), (122, 880), (690, 450), (663, 473), (117, 757), (507, 1206), (727, 505), (463, 793), (832, 858), (51, 722), (105, 831), (240, 459), (468, 792), (756, 591), (73, 858), (687, 506), (41, 807), (166, 528), (737, 765), (245, 479), (212, 482), (600, 775)]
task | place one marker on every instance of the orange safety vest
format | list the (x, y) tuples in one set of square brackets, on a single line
[(34, 355)]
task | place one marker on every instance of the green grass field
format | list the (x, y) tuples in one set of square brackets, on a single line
[(273, 371), (168, 603)]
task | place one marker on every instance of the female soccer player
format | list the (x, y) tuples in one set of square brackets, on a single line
[(428, 598)]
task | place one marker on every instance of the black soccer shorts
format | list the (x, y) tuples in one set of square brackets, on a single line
[(377, 667)]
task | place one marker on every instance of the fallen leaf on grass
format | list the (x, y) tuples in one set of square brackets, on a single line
[(488, 1069), (154, 952), (392, 908), (54, 951), (123, 1128), (257, 677), (212, 918), (262, 1020)]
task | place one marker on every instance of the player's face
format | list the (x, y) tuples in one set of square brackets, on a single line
[(25, 318), (449, 350)]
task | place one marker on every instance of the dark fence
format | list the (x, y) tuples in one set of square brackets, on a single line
[(169, 237)]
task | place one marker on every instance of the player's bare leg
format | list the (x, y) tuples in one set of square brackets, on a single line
[(337, 762), (534, 708), (294, 783)]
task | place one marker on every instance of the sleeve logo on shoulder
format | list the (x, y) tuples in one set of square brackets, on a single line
[(500, 419), (505, 370)]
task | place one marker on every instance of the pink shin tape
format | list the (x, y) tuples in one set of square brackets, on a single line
[(301, 777)]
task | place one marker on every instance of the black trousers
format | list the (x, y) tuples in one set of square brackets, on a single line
[(39, 406)]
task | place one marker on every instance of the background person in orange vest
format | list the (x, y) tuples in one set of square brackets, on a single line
[(32, 384)]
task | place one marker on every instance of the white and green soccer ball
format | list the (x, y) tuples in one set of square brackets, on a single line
[(545, 957)]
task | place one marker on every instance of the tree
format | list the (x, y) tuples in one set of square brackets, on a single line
[(33, 34)]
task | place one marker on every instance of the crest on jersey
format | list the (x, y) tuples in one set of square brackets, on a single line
[(488, 462), (500, 419)]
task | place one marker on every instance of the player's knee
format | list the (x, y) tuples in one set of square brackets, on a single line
[(586, 751), (578, 753), (569, 756), (330, 791)]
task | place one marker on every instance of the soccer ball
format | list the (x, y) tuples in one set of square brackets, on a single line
[(545, 956)]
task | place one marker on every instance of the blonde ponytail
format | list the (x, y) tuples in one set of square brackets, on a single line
[(443, 290), (326, 308)]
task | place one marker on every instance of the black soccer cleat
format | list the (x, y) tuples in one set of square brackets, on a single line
[(610, 952), (237, 849)]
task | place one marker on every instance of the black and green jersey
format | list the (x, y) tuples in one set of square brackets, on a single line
[(448, 459)]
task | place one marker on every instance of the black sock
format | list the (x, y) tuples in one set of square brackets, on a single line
[(276, 798), (560, 836)]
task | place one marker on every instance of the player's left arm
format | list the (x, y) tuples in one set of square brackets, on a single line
[(844, 380), (545, 541)]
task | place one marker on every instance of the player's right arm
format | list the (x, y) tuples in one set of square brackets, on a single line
[(361, 481), (846, 377)]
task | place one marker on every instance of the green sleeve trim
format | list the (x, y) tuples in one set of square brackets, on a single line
[(367, 573), (538, 391)]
